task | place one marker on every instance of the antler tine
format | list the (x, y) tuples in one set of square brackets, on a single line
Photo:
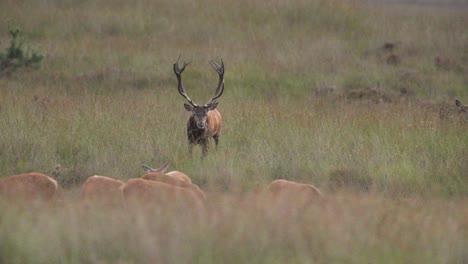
[(218, 68), (218, 93), (178, 72), (220, 89)]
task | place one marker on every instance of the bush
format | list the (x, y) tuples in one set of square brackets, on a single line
[(15, 56)]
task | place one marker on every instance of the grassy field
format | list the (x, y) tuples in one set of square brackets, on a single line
[(104, 101)]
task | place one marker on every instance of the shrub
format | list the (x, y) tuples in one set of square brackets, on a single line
[(16, 56)]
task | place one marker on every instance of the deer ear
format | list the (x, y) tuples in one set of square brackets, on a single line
[(188, 107), (213, 106), (147, 168), (163, 168), (458, 103)]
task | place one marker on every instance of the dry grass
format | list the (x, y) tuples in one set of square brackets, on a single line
[(340, 228), (104, 102)]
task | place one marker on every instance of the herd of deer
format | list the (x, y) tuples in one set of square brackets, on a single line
[(156, 186)]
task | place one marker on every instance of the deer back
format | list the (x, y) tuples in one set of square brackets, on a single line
[(102, 190), (180, 175), (28, 187), (159, 194)]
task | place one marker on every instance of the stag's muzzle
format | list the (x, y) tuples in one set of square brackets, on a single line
[(201, 125)]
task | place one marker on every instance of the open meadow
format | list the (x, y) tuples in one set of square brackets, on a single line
[(354, 98)]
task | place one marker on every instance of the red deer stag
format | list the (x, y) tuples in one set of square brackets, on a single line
[(205, 121), (29, 187)]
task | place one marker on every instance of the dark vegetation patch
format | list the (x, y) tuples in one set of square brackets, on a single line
[(16, 55), (348, 179), (447, 64)]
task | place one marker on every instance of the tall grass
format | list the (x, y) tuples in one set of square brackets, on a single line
[(345, 228), (104, 102), (398, 148)]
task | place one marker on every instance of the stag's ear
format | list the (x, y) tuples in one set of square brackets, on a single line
[(147, 168), (212, 106), (188, 107), (458, 103)]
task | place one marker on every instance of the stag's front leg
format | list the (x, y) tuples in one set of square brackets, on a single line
[(190, 148), (216, 139), (205, 144)]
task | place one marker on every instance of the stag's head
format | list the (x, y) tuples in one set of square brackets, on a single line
[(200, 112)]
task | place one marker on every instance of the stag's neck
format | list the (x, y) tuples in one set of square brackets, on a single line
[(194, 133)]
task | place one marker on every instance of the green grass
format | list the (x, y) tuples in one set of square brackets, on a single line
[(104, 101)]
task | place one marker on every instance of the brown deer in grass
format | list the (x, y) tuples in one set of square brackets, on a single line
[(103, 190), (174, 174), (29, 187), (141, 193), (176, 178), (451, 113), (291, 196), (291, 189), (205, 121)]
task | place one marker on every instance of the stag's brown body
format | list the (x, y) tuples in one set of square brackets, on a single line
[(201, 136), (102, 190), (28, 187)]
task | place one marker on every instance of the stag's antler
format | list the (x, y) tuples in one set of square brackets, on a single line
[(178, 72), (220, 89)]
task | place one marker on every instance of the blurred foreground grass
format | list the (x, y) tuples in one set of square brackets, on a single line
[(343, 228)]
